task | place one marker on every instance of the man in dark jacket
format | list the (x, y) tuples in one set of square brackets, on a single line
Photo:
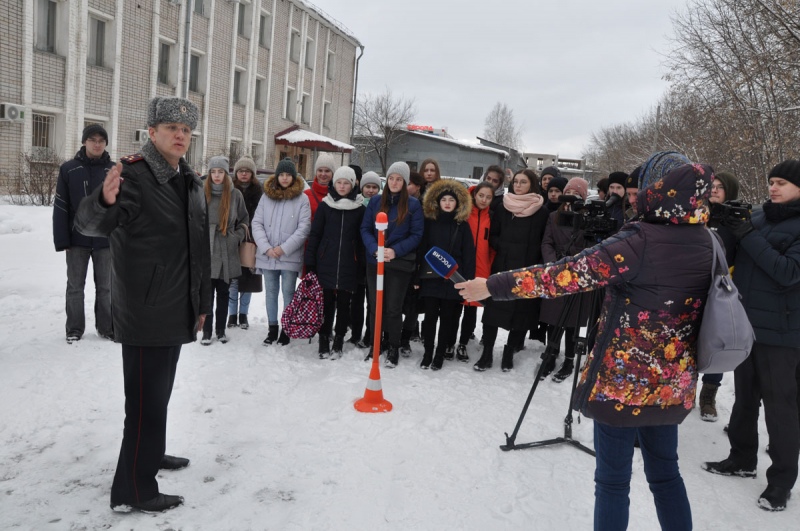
[(77, 178), (767, 273), (153, 209)]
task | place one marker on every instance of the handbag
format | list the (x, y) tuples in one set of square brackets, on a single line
[(247, 250), (726, 336)]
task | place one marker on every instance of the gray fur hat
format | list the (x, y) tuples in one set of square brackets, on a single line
[(219, 162), (172, 110), (400, 168)]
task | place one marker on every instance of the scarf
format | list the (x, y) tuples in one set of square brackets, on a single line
[(343, 203), (523, 205), (216, 189)]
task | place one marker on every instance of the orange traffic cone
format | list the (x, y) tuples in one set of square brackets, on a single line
[(373, 401)]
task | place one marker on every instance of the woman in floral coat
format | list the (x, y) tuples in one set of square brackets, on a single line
[(641, 377)]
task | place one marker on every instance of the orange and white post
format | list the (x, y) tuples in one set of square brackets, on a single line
[(373, 401)]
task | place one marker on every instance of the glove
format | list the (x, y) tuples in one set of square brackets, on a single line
[(738, 227)]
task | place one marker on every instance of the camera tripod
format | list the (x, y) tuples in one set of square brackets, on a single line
[(548, 358)]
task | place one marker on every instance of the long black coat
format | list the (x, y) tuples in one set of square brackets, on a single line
[(160, 252), (518, 242), (334, 246), (77, 179)]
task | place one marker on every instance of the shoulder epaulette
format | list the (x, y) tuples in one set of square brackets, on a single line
[(130, 159)]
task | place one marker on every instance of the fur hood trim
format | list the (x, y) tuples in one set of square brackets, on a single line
[(276, 193), (430, 203)]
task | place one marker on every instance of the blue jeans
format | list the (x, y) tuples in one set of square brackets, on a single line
[(77, 267), (274, 280), (612, 476), (238, 303)]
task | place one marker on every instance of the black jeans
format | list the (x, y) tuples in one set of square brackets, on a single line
[(149, 374), (395, 284), (220, 292), (515, 337), (468, 323), (336, 303), (569, 340), (446, 312), (770, 375), (411, 309), (357, 312)]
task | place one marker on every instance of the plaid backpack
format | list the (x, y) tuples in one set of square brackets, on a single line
[(304, 315)]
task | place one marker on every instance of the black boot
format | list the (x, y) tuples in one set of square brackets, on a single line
[(272, 335), (338, 346), (405, 343), (549, 366), (508, 358), (232, 321), (324, 346), (486, 359), (708, 402), (438, 358), (565, 371), (243, 324), (283, 339), (427, 358), (449, 353), (392, 357)]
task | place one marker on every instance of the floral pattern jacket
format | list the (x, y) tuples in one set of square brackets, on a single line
[(642, 369)]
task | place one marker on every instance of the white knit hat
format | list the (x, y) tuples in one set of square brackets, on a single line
[(347, 173), (325, 160)]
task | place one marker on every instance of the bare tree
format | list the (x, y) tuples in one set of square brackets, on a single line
[(36, 178), (501, 127), (380, 121)]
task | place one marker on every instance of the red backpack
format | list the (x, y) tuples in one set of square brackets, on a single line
[(304, 315)]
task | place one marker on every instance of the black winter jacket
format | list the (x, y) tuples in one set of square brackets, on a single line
[(767, 274), (158, 230), (77, 179), (334, 245), (252, 195)]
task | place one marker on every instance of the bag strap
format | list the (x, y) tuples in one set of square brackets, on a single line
[(453, 239), (719, 265)]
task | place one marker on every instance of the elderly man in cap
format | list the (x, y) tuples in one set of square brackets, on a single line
[(76, 179), (153, 210)]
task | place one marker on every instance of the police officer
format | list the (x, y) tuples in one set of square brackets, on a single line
[(153, 209)]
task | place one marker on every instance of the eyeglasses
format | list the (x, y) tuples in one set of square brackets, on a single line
[(717, 187)]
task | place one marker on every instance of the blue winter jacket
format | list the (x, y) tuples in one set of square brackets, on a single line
[(403, 238)]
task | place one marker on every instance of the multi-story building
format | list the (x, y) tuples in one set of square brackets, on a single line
[(255, 69)]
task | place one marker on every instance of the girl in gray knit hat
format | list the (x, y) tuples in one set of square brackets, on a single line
[(227, 223)]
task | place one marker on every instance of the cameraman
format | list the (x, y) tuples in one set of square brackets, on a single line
[(767, 274), (640, 377), (724, 188)]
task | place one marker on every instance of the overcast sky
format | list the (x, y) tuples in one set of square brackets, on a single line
[(566, 67)]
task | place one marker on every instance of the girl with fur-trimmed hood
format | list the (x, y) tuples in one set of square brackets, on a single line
[(280, 227), (446, 206)]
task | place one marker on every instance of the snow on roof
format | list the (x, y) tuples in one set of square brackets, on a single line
[(463, 143), (301, 135), (329, 19)]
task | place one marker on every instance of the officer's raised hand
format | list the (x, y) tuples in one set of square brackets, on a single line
[(111, 184)]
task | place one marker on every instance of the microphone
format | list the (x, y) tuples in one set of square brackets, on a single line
[(443, 265), (564, 198), (612, 200)]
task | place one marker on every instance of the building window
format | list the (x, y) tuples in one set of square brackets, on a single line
[(199, 7), (260, 97), (310, 53), (97, 42), (257, 152), (237, 87), (46, 26), (291, 103), (243, 21), (331, 64), (194, 73), (194, 149), (42, 139), (163, 63), (412, 165), (294, 47), (326, 111), (265, 30), (306, 114), (477, 172)]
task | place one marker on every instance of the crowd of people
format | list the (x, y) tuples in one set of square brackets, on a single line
[(171, 241)]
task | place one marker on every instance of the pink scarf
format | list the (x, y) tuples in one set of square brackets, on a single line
[(523, 205)]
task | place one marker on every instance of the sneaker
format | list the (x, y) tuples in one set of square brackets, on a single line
[(392, 357), (222, 338), (363, 343), (232, 321), (728, 467), (107, 335), (774, 498), (159, 504), (461, 353), (449, 353), (206, 340), (324, 349), (405, 349), (71, 338), (243, 324), (565, 371), (548, 368)]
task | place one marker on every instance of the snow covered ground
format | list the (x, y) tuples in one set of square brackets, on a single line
[(276, 444)]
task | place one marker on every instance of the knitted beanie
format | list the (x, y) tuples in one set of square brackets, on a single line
[(550, 170), (617, 177), (633, 179), (556, 182), (447, 192), (219, 162), (245, 163), (730, 183), (94, 129), (371, 178), (325, 160), (579, 185), (358, 170), (401, 169), (789, 170), (345, 172), (286, 166)]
